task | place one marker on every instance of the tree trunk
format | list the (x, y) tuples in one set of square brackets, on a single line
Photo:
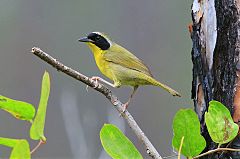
[(215, 34)]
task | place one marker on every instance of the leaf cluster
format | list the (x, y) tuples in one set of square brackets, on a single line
[(187, 136), (220, 126), (26, 111)]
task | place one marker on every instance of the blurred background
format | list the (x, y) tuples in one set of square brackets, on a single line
[(155, 31)]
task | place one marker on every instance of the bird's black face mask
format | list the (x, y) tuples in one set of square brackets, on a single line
[(99, 41)]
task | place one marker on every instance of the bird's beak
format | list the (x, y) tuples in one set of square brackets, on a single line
[(84, 39)]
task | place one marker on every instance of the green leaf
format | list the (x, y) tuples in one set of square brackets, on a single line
[(21, 150), (37, 128), (219, 123), (186, 123), (8, 142), (116, 144), (20, 110)]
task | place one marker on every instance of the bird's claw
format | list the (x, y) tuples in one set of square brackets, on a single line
[(114, 101), (125, 106), (95, 79)]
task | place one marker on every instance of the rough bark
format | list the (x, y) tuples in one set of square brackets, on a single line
[(215, 53)]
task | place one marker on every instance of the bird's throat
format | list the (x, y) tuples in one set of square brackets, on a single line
[(95, 50)]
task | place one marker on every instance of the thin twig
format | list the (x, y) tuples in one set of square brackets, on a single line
[(215, 150), (37, 146), (170, 156), (150, 149)]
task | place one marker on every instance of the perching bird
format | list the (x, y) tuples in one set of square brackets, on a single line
[(120, 65)]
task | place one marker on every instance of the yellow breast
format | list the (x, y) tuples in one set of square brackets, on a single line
[(102, 64)]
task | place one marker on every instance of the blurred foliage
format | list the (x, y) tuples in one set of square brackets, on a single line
[(220, 124), (20, 110), (37, 128), (21, 149), (116, 144), (187, 125), (25, 111)]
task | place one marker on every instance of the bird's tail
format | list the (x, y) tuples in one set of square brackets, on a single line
[(165, 87)]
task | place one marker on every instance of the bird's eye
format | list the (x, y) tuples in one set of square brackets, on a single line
[(98, 38)]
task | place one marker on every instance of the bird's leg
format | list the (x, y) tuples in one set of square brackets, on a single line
[(125, 106), (96, 79), (104, 81)]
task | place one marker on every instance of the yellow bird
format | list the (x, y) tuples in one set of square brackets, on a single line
[(120, 65)]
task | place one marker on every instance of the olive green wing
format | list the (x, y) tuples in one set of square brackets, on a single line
[(119, 55)]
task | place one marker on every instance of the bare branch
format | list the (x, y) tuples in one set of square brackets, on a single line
[(150, 149)]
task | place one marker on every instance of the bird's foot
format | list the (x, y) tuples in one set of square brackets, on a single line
[(95, 79), (125, 106), (114, 101)]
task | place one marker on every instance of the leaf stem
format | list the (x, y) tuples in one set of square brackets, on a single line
[(180, 148), (216, 150), (37, 146)]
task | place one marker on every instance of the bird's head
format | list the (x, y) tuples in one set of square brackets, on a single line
[(96, 41)]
